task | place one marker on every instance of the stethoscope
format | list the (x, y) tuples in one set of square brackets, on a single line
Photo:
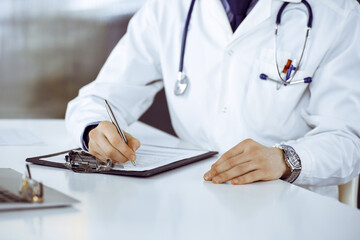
[(290, 70)]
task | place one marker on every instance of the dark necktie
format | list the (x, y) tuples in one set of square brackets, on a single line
[(239, 9)]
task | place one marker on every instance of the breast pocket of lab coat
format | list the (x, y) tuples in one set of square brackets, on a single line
[(270, 110)]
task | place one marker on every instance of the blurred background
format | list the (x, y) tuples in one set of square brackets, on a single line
[(50, 48)]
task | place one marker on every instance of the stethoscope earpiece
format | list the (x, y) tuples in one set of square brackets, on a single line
[(266, 77)]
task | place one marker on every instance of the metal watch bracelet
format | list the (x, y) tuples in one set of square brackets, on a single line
[(292, 160)]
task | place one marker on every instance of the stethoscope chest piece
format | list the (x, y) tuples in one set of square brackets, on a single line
[(181, 84)]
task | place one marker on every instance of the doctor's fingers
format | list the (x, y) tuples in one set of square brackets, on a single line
[(111, 134), (226, 165), (96, 151), (133, 142), (100, 146), (254, 176), (246, 145), (235, 172)]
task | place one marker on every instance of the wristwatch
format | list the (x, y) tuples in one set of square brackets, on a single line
[(292, 160)]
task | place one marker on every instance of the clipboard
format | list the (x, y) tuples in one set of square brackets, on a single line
[(87, 163)]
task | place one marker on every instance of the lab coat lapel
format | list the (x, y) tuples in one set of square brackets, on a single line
[(218, 14), (261, 12)]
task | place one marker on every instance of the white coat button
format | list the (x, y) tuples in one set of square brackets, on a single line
[(230, 52)]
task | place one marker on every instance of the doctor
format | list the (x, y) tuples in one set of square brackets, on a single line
[(236, 93)]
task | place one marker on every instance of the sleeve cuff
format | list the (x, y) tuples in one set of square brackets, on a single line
[(84, 136)]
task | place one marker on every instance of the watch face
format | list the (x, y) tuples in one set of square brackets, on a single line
[(292, 158), (293, 161)]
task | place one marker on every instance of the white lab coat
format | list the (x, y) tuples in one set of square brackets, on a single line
[(226, 101)]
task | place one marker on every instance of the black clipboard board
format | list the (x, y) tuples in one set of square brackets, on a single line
[(39, 160)]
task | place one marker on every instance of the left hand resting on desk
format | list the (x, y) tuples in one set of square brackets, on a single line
[(248, 162)]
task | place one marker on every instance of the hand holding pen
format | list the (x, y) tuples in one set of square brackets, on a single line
[(119, 130), (108, 141)]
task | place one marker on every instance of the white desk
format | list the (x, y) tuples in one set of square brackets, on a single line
[(173, 205)]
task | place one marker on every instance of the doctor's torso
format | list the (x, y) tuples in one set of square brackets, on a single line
[(226, 101)]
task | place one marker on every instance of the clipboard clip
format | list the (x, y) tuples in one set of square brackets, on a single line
[(83, 162)]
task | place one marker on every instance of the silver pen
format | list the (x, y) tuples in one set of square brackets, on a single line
[(113, 120)]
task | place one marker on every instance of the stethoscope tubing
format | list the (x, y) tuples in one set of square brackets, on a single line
[(182, 79), (310, 12), (184, 38), (290, 78)]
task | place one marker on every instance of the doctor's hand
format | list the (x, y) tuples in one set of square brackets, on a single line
[(106, 143), (248, 162)]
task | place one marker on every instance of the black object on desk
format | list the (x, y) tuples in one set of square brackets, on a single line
[(80, 161)]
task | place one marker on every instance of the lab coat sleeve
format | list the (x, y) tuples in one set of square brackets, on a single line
[(126, 80), (330, 152)]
